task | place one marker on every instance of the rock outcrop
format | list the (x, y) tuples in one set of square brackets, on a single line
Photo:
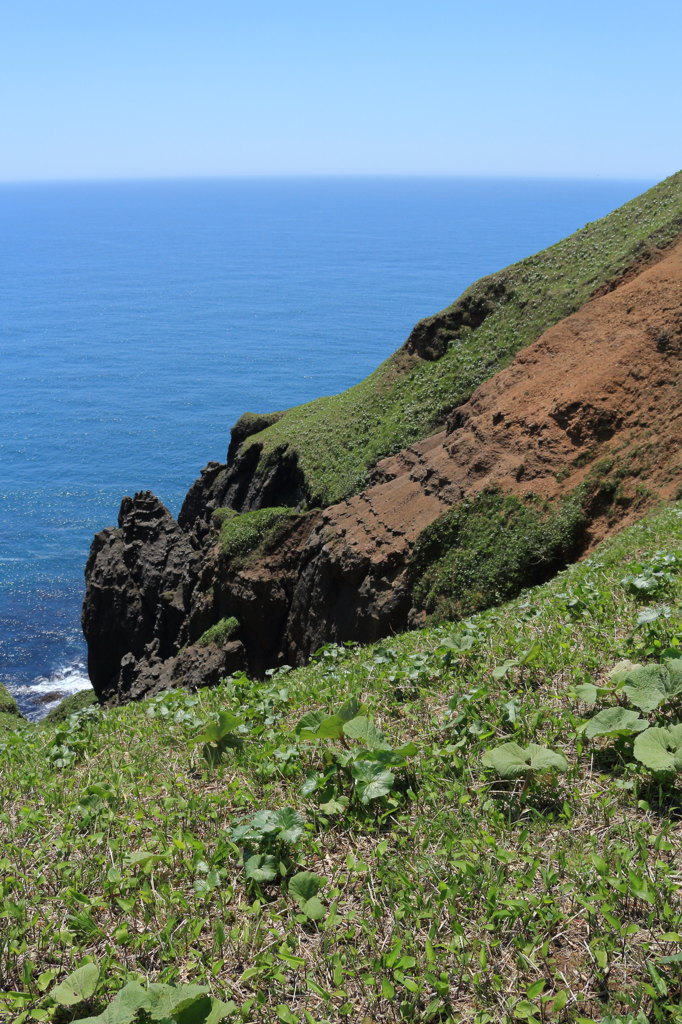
[(603, 384)]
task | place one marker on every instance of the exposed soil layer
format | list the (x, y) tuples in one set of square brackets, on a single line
[(603, 384)]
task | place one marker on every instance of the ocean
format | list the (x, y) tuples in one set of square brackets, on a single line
[(140, 319)]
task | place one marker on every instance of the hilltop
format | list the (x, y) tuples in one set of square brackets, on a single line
[(543, 401)]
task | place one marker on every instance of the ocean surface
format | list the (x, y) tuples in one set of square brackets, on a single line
[(140, 319)]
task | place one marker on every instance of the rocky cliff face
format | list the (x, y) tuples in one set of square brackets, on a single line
[(601, 386)]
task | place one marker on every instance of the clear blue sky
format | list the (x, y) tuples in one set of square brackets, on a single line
[(164, 88)]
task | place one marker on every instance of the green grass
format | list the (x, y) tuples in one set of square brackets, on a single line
[(242, 535), (70, 705), (8, 705), (486, 549), (451, 896), (338, 439), (220, 633)]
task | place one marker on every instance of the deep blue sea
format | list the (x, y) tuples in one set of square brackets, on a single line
[(140, 319)]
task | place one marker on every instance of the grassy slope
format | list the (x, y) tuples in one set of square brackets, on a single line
[(339, 438), (466, 899)]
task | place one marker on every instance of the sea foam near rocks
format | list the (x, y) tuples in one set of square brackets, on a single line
[(45, 692)]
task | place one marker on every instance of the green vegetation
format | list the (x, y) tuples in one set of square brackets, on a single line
[(444, 827), (70, 705), (8, 705), (337, 439), (242, 535), (11, 718), (219, 633), (486, 549)]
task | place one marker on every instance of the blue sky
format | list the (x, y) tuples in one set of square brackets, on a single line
[(205, 88)]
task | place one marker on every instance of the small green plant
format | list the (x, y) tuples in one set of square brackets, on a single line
[(654, 578), (512, 761), (615, 722), (304, 887), (219, 736), (265, 837), (367, 768), (72, 737)]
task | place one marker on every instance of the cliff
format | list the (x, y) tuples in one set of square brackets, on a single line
[(510, 433)]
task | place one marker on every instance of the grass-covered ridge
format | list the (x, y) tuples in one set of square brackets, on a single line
[(337, 439), (356, 839)]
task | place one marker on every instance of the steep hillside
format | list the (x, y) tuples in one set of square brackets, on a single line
[(318, 453), (574, 435), (468, 824)]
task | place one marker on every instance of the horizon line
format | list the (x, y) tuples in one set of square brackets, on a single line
[(331, 176)]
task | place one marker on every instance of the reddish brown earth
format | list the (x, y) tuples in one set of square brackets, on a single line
[(603, 383)]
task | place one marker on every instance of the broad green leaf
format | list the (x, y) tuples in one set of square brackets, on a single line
[(124, 1007), (645, 686), (530, 656), (168, 1000), (77, 986), (559, 1001), (265, 822), (621, 670), (372, 780), (261, 867), (213, 732), (285, 1015), (510, 760), (304, 885), (311, 721), (334, 805), (586, 692), (316, 725), (311, 783), (674, 667), (615, 722), (213, 753), (378, 787), (313, 909), (500, 671), (660, 749), (204, 1010), (244, 831), (141, 859), (648, 615), (289, 825), (364, 730), (330, 728)]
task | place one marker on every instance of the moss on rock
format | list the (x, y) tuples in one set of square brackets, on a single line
[(220, 633)]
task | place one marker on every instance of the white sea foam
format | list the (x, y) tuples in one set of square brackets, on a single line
[(63, 681)]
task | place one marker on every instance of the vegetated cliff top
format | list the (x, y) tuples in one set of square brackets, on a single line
[(336, 440), (380, 867)]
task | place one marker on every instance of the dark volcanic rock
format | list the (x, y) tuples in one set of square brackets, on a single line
[(139, 580)]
